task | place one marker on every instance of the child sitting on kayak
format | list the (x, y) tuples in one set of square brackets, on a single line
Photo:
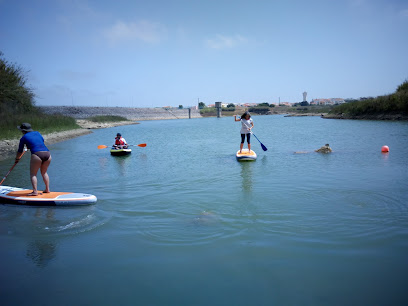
[(120, 142)]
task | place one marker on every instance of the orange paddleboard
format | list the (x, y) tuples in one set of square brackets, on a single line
[(246, 155), (19, 196)]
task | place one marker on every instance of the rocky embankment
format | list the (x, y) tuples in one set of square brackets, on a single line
[(9, 147), (367, 117), (130, 113)]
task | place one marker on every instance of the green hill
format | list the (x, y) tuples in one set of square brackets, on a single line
[(17, 105), (393, 106)]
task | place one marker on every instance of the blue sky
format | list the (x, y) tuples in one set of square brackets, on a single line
[(163, 52)]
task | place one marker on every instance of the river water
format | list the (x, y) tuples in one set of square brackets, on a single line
[(181, 222)]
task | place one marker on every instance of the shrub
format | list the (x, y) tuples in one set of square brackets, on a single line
[(107, 118), (15, 96), (259, 110)]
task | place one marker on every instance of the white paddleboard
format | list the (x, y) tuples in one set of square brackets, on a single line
[(19, 196), (246, 155)]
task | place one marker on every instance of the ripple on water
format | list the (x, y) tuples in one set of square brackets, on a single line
[(330, 216), (43, 221), (177, 228)]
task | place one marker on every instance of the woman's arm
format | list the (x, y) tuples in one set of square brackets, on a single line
[(18, 156), (235, 116)]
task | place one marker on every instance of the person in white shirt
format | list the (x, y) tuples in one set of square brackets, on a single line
[(246, 126)]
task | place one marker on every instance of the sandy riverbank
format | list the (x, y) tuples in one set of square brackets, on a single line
[(8, 147)]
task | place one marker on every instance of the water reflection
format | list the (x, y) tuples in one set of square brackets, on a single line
[(246, 176), (122, 163), (49, 213), (103, 162), (41, 252), (385, 156)]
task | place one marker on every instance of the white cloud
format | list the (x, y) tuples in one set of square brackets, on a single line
[(222, 42), (142, 30)]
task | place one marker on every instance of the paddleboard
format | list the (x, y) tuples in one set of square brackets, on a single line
[(119, 152), (245, 155), (19, 196)]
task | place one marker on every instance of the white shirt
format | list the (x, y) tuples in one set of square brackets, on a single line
[(246, 124)]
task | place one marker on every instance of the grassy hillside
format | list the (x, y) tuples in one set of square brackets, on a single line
[(393, 104), (17, 105)]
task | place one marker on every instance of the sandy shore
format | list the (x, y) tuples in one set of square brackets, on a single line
[(8, 147)]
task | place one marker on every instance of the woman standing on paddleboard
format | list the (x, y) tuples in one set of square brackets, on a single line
[(247, 125), (40, 156)]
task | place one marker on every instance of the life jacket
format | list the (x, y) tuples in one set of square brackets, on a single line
[(119, 141)]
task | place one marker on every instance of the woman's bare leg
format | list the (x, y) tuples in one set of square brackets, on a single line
[(46, 178), (35, 164)]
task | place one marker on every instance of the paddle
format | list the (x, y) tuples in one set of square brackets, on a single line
[(139, 145), (263, 147), (15, 163)]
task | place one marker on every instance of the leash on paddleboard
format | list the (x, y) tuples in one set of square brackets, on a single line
[(262, 145), (15, 164)]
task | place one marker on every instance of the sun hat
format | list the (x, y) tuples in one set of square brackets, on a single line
[(25, 127)]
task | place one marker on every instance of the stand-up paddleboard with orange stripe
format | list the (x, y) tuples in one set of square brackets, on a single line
[(246, 155), (19, 196)]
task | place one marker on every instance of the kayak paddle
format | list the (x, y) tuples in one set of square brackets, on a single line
[(139, 145)]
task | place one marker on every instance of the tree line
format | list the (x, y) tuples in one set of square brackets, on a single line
[(395, 103), (17, 105)]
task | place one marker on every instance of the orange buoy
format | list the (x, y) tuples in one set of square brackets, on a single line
[(385, 149)]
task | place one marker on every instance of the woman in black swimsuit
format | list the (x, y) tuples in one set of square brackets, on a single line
[(40, 156)]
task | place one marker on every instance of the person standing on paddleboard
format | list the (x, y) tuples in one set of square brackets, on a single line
[(247, 125), (40, 156)]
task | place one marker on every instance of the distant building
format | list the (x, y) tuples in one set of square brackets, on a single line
[(249, 104), (331, 101), (338, 101), (304, 96), (285, 104)]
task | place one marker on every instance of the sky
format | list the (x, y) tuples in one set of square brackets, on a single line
[(178, 52)]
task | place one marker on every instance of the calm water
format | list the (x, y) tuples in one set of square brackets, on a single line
[(181, 222)]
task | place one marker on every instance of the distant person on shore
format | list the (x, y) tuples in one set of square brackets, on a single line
[(40, 156), (246, 126), (120, 142)]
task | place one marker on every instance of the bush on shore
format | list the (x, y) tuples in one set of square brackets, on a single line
[(15, 95), (39, 122), (208, 111), (17, 105), (396, 103)]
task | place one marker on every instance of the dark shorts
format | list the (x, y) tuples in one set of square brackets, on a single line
[(248, 138), (43, 155)]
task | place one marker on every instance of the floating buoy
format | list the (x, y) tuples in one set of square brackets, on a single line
[(385, 149)]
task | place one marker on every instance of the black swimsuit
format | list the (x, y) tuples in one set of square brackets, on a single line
[(43, 155)]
